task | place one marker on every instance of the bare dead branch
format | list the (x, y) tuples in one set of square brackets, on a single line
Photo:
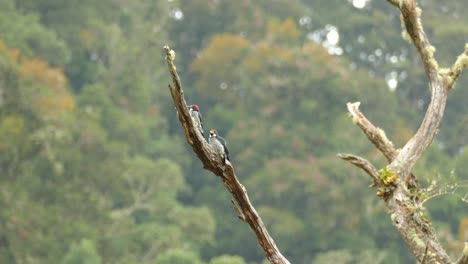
[(414, 148), (460, 64), (438, 82), (361, 163), (411, 14), (434, 191), (238, 210), (412, 226), (214, 163), (375, 134), (464, 257)]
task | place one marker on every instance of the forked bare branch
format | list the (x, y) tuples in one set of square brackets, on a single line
[(362, 163), (411, 16), (375, 134), (415, 230), (440, 82)]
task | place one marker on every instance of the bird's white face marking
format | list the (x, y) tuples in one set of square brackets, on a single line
[(212, 133)]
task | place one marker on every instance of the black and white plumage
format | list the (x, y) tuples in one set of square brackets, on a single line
[(219, 144), (196, 117)]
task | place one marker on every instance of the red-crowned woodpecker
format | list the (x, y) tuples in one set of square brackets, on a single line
[(219, 144), (196, 117)]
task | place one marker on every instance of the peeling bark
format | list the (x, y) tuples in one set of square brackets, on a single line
[(214, 163)]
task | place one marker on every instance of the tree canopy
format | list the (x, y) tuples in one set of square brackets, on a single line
[(94, 167)]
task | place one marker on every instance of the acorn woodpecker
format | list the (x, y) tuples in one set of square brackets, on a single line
[(219, 144), (196, 117)]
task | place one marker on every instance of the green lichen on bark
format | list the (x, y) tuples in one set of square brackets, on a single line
[(417, 241), (430, 50), (461, 62)]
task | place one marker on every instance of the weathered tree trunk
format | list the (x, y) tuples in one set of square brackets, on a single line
[(392, 181)]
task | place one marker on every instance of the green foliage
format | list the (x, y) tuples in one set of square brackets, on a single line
[(178, 257), (227, 259), (27, 34), (94, 166), (83, 253), (345, 256)]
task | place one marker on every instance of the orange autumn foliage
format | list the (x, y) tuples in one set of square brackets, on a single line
[(224, 49), (216, 62), (54, 97), (463, 229), (51, 95), (86, 38), (265, 52), (40, 70), (13, 54), (284, 30)]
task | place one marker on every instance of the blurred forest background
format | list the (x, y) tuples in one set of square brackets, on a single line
[(94, 166)]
